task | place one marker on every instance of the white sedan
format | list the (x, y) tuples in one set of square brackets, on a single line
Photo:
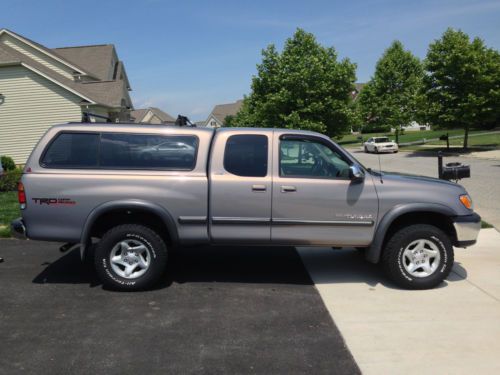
[(380, 144)]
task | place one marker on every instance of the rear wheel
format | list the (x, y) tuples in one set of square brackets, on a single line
[(130, 257), (418, 257)]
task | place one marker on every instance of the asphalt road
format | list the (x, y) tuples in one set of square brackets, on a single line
[(483, 186), (222, 310)]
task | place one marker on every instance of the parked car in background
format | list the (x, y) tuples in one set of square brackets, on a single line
[(173, 150), (1, 168), (380, 144)]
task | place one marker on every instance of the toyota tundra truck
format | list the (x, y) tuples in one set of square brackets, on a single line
[(127, 194)]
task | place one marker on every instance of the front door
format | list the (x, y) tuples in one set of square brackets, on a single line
[(315, 202), (240, 187)]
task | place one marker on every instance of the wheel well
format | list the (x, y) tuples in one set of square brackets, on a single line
[(438, 220), (115, 217)]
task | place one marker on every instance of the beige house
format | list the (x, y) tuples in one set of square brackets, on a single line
[(41, 86), (217, 117), (151, 115)]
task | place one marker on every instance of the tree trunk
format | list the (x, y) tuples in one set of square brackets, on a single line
[(466, 137)]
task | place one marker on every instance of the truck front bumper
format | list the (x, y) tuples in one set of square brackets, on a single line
[(18, 229), (467, 229)]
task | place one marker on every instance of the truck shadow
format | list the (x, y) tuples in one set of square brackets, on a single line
[(250, 265), (278, 265)]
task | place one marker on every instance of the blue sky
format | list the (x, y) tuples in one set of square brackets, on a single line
[(186, 56)]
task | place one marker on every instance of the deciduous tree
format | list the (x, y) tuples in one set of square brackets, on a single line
[(390, 98), (303, 87), (462, 84)]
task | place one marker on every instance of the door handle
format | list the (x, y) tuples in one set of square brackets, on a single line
[(259, 188), (288, 189)]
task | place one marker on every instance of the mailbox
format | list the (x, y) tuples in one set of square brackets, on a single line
[(452, 171)]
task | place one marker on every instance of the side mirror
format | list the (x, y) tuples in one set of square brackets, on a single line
[(356, 173)]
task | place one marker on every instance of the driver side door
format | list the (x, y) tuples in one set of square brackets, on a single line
[(315, 202)]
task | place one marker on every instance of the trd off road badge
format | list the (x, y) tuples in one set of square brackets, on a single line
[(54, 201)]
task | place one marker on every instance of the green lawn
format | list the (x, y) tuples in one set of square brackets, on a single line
[(9, 210), (488, 140), (409, 136)]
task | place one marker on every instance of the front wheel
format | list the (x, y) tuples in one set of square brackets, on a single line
[(130, 257), (366, 149), (418, 257)]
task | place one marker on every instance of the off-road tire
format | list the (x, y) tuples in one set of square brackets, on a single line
[(157, 250), (392, 256)]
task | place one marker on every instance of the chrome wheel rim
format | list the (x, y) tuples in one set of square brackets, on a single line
[(421, 258), (130, 259)]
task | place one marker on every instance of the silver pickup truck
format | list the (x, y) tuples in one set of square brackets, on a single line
[(129, 193)]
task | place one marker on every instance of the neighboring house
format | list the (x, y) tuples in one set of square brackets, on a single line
[(40, 87), (415, 126), (151, 116), (217, 117), (357, 89)]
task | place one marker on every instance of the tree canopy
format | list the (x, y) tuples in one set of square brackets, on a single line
[(462, 84), (391, 98), (303, 87)]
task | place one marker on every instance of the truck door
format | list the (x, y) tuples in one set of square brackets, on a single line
[(315, 202), (240, 186)]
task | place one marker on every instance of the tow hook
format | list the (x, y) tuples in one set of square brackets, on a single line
[(66, 247)]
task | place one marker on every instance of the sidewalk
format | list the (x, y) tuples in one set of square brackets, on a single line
[(454, 329)]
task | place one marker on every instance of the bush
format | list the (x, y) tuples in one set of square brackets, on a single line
[(8, 182), (7, 163), (375, 129)]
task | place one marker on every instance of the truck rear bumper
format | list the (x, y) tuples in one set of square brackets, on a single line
[(467, 229), (18, 229)]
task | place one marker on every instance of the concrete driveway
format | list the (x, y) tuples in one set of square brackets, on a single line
[(453, 329), (483, 186), (221, 311)]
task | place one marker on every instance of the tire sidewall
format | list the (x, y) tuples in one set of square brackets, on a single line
[(445, 263), (154, 244)]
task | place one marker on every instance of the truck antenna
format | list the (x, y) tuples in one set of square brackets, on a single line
[(380, 168)]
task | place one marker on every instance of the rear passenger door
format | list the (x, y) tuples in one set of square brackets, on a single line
[(240, 186)]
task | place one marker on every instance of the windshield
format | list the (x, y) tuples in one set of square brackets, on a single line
[(382, 140)]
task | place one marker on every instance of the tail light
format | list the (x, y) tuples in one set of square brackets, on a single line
[(21, 195)]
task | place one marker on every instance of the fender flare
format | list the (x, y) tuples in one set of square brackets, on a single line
[(127, 204), (375, 249)]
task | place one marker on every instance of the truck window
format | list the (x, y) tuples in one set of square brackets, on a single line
[(143, 151), (246, 155), (310, 159), (72, 150)]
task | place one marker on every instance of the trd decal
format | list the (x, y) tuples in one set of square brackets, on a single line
[(54, 201)]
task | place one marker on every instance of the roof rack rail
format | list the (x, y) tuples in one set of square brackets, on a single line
[(184, 121)]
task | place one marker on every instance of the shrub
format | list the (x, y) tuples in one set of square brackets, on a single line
[(8, 182), (8, 163), (375, 129)]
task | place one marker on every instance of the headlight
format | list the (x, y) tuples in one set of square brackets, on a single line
[(466, 201)]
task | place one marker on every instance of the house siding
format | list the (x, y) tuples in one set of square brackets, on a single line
[(211, 121), (37, 55), (32, 105)]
